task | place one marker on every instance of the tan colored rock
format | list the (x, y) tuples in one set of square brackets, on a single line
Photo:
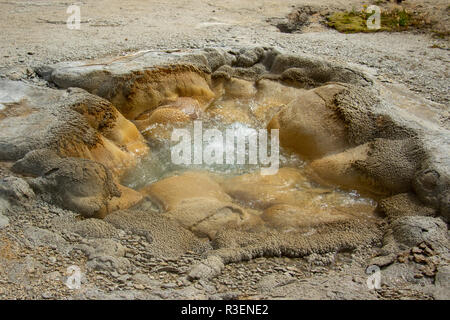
[(104, 118), (338, 170), (126, 135), (309, 126), (199, 204), (404, 204), (285, 217), (180, 110), (241, 99), (84, 186), (159, 123), (153, 88), (128, 198), (380, 167), (110, 154), (207, 216), (72, 123), (273, 92), (170, 192), (329, 91), (188, 105), (235, 88), (168, 116), (258, 191)]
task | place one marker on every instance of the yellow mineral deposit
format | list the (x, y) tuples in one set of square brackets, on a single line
[(158, 87), (207, 200)]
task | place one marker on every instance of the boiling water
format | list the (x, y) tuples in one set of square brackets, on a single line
[(159, 165)]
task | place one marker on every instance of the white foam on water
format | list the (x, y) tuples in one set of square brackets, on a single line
[(158, 165)]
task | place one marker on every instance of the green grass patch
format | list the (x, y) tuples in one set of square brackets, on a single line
[(391, 21)]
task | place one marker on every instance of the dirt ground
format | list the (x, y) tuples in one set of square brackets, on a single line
[(34, 33)]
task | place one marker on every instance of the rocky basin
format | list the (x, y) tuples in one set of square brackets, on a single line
[(362, 163)]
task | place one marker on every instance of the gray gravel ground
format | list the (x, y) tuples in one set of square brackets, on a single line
[(35, 33)]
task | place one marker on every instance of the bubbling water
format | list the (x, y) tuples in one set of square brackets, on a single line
[(159, 165)]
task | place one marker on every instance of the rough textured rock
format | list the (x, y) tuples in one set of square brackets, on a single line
[(296, 20), (159, 123), (4, 206), (81, 185), (43, 237), (380, 149), (198, 203), (134, 92), (443, 276), (315, 71), (380, 167), (234, 246), (169, 192), (16, 189), (207, 216), (366, 117), (442, 281), (35, 163), (392, 163), (4, 221), (107, 247), (444, 206), (184, 74), (287, 217), (256, 190), (207, 269), (105, 254), (249, 57), (404, 204), (353, 115), (398, 273), (432, 187), (218, 57), (70, 123), (338, 169), (165, 237), (272, 281), (93, 228), (310, 127), (410, 231), (321, 259), (252, 73)]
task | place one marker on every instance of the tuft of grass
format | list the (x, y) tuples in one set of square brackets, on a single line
[(391, 21), (347, 22)]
